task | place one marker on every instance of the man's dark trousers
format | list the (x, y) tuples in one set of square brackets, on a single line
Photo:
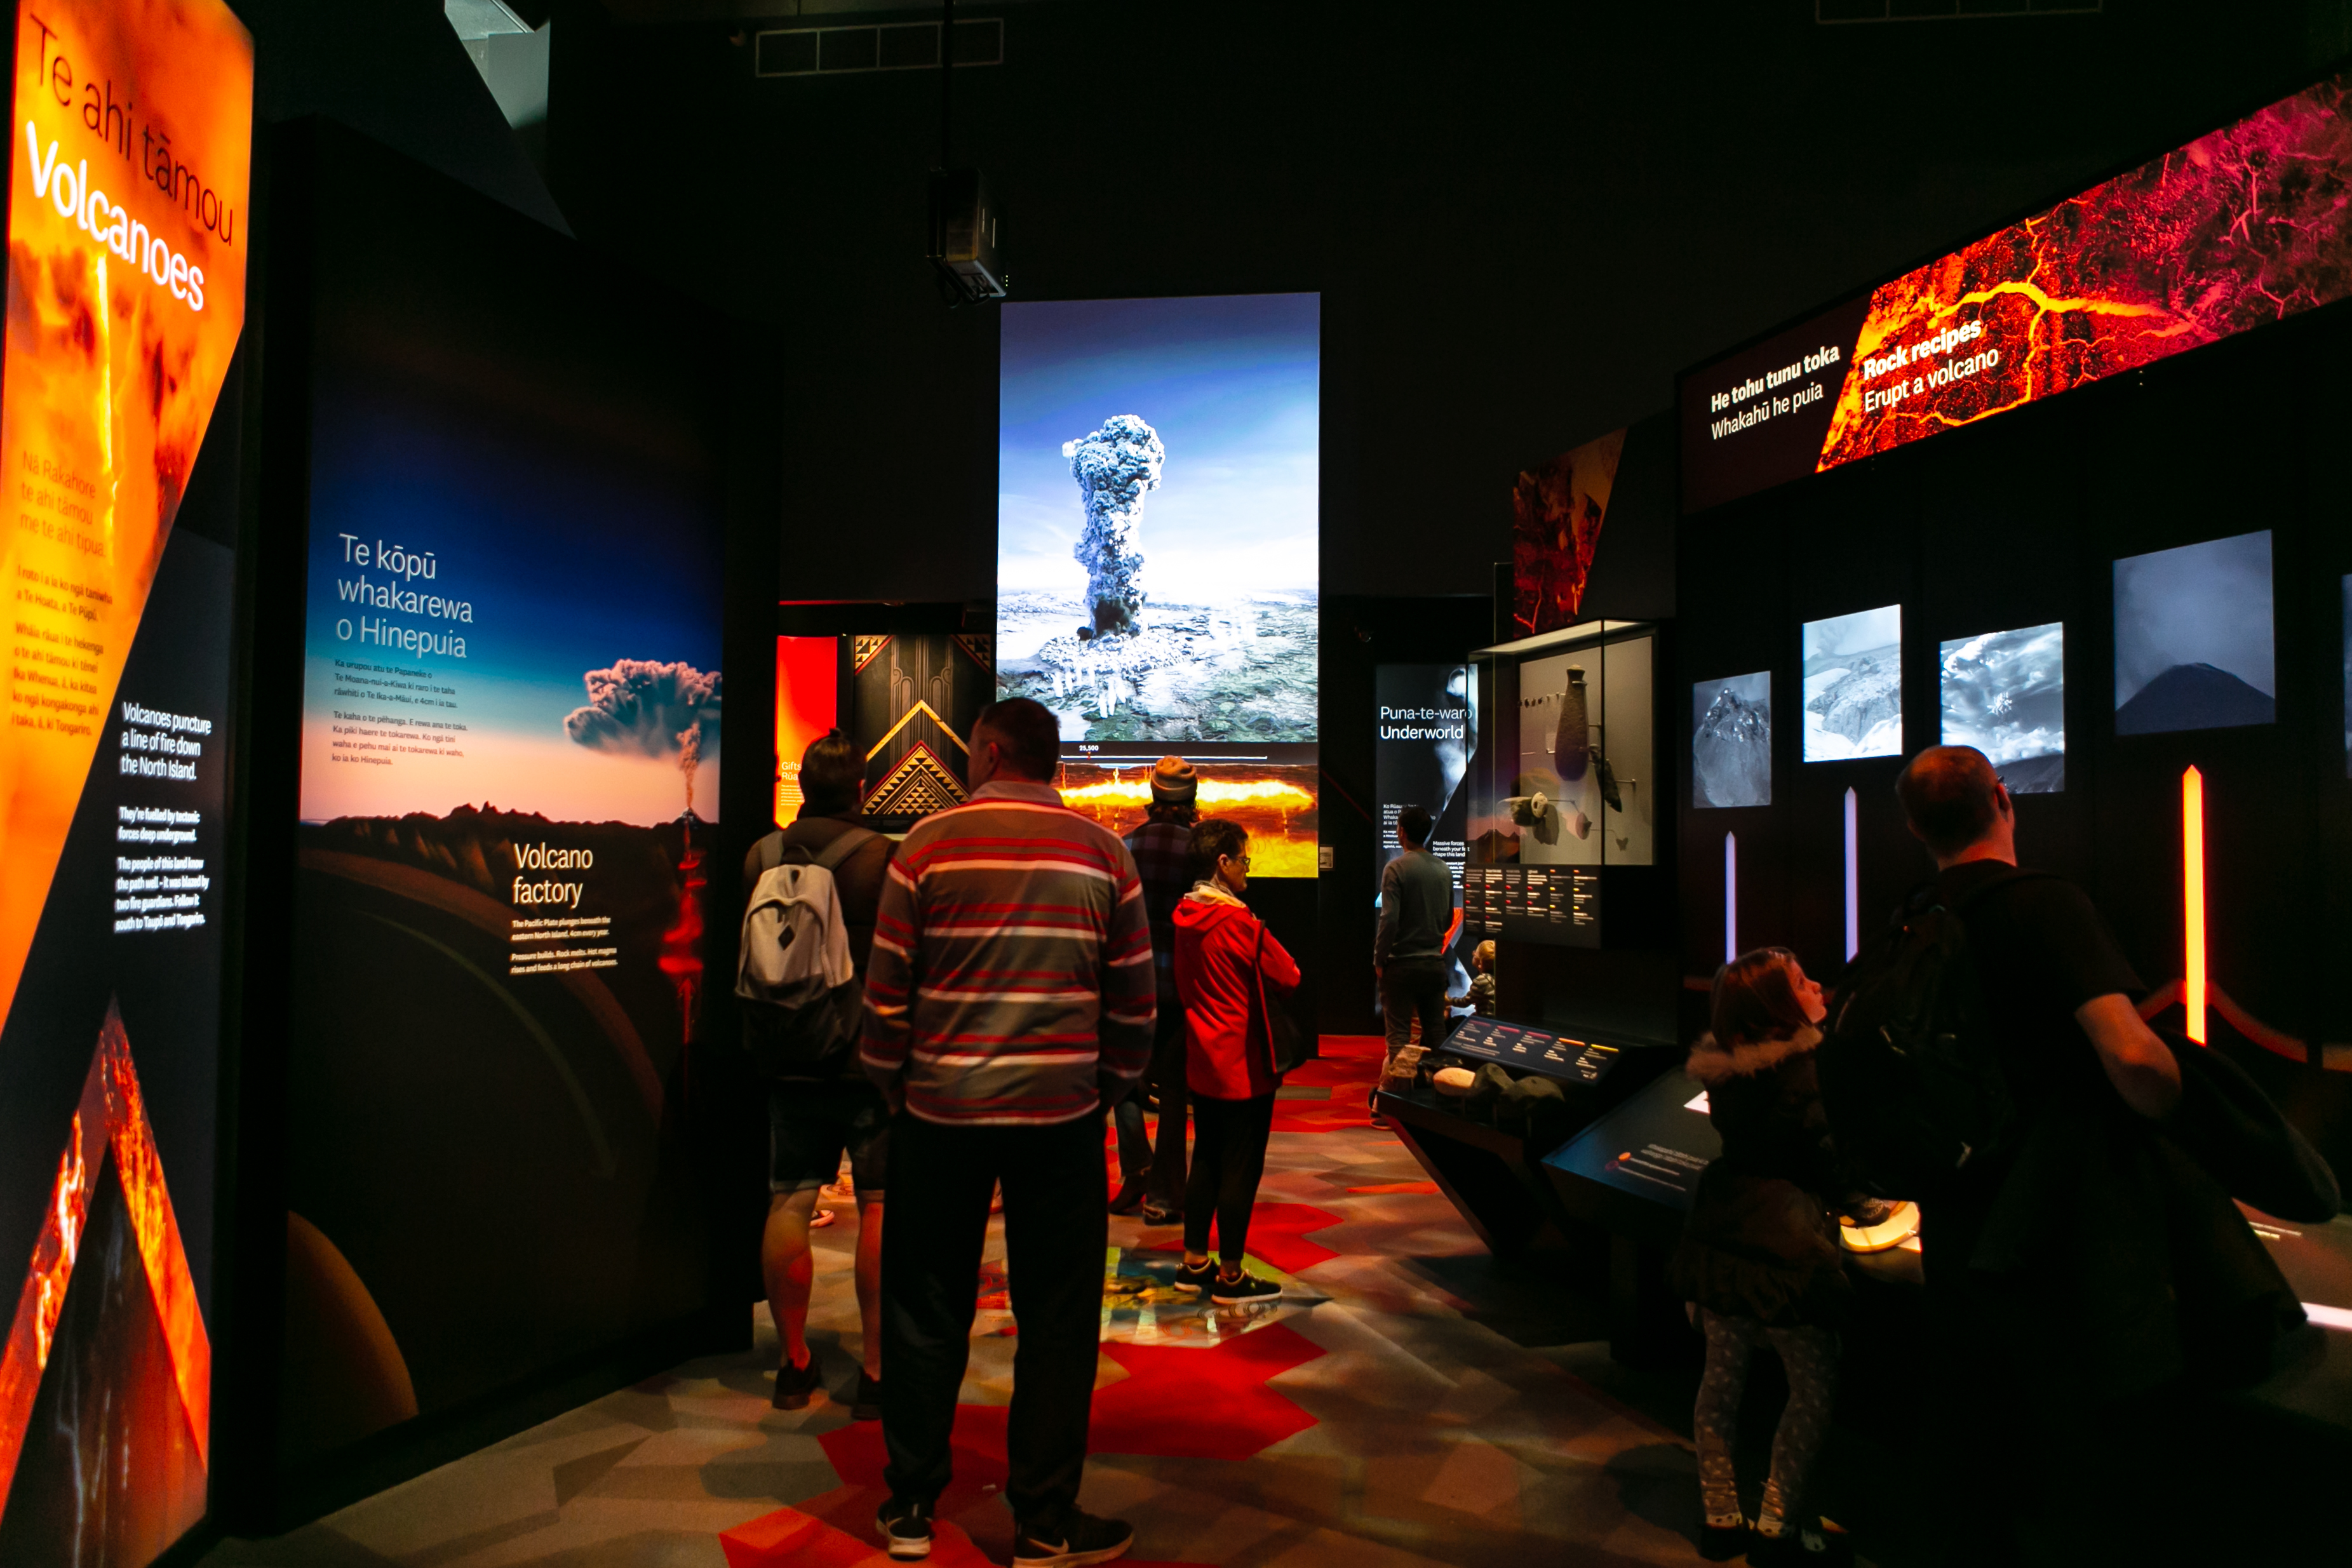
[(1413, 989), (1166, 1188), (1056, 1225)]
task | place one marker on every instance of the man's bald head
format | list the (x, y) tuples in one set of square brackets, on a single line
[(1952, 799)]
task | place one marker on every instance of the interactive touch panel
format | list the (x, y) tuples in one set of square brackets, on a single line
[(1853, 686), (2193, 640), (2004, 692)]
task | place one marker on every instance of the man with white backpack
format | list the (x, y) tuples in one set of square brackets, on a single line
[(810, 894)]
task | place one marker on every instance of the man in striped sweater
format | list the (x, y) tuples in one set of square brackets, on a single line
[(1009, 1005)]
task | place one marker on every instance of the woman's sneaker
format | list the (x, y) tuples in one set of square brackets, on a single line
[(1078, 1539), (905, 1527), (1248, 1287), (1191, 1281)]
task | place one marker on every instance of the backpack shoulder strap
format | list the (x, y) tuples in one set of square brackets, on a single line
[(771, 850), (844, 844), (2009, 878)]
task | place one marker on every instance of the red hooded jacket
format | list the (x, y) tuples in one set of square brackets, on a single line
[(1226, 1054)]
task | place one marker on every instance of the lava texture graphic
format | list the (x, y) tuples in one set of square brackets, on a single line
[(2247, 225), (1556, 516), (113, 1118)]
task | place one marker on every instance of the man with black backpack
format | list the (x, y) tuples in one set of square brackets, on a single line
[(2027, 1041), (820, 1101)]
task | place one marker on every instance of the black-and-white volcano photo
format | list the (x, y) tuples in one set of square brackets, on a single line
[(2194, 647), (2004, 692), (1731, 741)]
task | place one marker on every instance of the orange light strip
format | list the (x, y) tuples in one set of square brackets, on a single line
[(2192, 900)]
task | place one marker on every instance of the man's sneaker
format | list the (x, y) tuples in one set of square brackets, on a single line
[(795, 1383), (867, 1405), (1248, 1287), (905, 1527), (1191, 1281), (1077, 1540)]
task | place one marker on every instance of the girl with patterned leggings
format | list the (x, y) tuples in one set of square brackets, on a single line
[(1760, 1261)]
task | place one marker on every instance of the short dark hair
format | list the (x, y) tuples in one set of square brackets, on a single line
[(1183, 813), (831, 776), (1753, 998), (1413, 822), (1951, 795), (1026, 732), (1213, 837)]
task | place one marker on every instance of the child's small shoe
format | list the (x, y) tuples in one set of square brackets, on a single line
[(1721, 1541), (1799, 1546)]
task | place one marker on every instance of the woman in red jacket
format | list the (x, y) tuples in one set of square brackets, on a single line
[(1228, 967)]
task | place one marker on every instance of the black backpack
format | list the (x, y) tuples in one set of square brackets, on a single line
[(1910, 1079)]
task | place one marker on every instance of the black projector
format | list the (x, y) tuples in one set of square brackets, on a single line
[(964, 234)]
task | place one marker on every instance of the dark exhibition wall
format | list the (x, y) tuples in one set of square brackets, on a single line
[(1518, 245)]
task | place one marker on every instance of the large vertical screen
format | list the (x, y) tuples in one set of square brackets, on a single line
[(1158, 537)]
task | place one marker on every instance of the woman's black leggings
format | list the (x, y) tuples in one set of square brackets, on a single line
[(1228, 1157)]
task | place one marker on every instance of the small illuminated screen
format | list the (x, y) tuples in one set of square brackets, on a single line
[(1853, 686), (2004, 692), (2193, 643)]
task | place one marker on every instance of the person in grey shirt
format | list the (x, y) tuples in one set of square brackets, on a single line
[(1408, 949)]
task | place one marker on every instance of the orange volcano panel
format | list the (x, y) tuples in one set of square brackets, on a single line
[(127, 234)]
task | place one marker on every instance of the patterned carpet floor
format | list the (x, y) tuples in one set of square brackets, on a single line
[(1408, 1402)]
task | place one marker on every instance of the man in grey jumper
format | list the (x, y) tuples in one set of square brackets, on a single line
[(1408, 949)]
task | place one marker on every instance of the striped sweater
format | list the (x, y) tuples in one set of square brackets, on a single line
[(1012, 978)]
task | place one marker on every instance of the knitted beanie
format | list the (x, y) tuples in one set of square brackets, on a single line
[(1173, 779)]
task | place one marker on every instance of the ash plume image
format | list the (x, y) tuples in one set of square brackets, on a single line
[(1731, 743), (2004, 692), (1157, 518), (2194, 648), (650, 709)]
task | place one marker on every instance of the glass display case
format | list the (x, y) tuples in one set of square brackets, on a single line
[(1568, 783)]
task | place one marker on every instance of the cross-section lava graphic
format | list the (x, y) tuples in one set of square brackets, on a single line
[(110, 1120), (2247, 225)]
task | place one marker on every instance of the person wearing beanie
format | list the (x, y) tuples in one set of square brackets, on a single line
[(1149, 1179)]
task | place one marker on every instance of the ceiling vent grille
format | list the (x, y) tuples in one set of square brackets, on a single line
[(1829, 13), (891, 47)]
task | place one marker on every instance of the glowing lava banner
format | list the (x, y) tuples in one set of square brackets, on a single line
[(2247, 225), (510, 750), (130, 139)]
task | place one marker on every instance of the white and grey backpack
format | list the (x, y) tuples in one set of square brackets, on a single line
[(793, 979)]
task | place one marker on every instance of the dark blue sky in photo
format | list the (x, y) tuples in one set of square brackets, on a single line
[(573, 554)]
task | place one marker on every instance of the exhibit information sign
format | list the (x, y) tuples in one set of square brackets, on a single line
[(130, 134), (511, 727), (2250, 225)]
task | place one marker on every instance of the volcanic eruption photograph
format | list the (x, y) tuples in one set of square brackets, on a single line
[(2193, 643), (2004, 692), (1853, 686), (1157, 528), (1731, 741)]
